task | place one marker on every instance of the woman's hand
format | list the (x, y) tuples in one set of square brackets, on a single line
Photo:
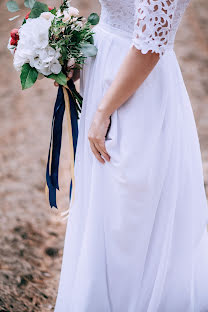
[(74, 74), (96, 136)]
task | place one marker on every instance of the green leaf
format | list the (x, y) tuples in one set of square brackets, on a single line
[(88, 49), (28, 76), (38, 8), (53, 11), (93, 19), (29, 3), (14, 17), (91, 40), (60, 78), (12, 6)]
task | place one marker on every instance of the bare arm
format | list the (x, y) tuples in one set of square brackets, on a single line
[(153, 23), (133, 71)]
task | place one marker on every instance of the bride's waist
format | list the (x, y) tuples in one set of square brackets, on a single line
[(113, 30)]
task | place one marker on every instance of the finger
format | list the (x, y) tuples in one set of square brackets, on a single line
[(70, 74), (102, 150), (96, 153), (56, 84)]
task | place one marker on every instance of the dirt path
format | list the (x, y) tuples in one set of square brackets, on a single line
[(31, 235)]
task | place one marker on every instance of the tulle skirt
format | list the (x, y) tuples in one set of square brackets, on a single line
[(136, 238)]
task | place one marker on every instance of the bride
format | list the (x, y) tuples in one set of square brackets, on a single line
[(136, 238)]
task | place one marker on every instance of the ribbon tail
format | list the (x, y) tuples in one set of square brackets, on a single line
[(54, 149), (65, 101), (74, 120), (73, 134)]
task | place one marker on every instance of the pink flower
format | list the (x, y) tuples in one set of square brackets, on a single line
[(73, 12)]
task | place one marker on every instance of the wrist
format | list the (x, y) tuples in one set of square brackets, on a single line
[(103, 110)]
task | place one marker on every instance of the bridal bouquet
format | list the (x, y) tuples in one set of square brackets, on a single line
[(52, 42)]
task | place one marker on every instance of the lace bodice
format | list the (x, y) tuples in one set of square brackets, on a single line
[(152, 23)]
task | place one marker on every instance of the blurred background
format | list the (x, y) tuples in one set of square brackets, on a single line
[(31, 234)]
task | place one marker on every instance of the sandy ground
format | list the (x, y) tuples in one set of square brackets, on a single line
[(31, 235)]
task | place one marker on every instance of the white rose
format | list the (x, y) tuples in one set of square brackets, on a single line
[(41, 36), (73, 12), (45, 70), (33, 47), (47, 15), (34, 33), (53, 52), (55, 67), (18, 61), (22, 55), (35, 62), (66, 17)]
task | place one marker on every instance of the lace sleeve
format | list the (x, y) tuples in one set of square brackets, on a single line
[(153, 22)]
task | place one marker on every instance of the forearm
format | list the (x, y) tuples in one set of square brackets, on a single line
[(134, 70)]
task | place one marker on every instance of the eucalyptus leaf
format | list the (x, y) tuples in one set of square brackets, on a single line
[(59, 78), (28, 76), (93, 19), (29, 3), (12, 6), (37, 9), (88, 49), (14, 17)]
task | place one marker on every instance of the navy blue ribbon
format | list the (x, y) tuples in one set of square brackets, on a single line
[(56, 139)]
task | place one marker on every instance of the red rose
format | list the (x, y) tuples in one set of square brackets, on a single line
[(50, 8), (13, 42), (27, 16), (14, 36)]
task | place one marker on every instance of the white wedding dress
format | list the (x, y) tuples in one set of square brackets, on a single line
[(136, 238)]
